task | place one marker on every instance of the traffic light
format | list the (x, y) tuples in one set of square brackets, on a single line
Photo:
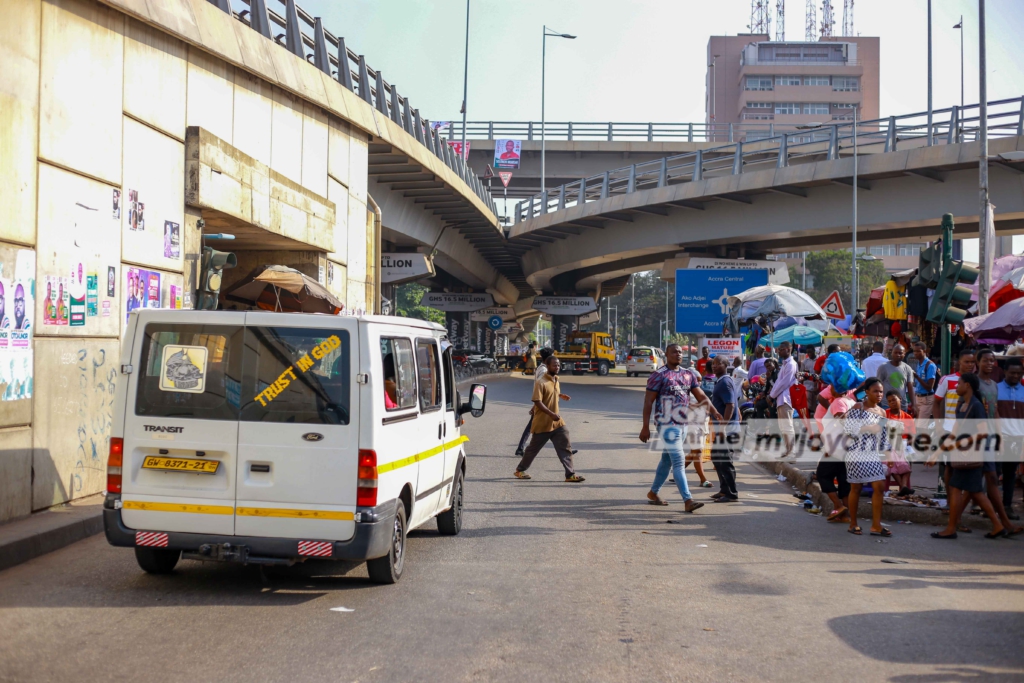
[(929, 266), (949, 305), (210, 275)]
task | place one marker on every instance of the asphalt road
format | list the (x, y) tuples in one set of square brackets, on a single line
[(548, 581)]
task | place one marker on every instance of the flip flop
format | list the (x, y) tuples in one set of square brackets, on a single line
[(884, 532), (657, 500), (950, 537), (856, 531), (1000, 534), (1014, 533)]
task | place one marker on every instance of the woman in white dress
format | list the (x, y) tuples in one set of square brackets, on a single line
[(866, 423)]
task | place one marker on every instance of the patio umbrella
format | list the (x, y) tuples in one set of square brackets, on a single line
[(1003, 326), (280, 288), (797, 335)]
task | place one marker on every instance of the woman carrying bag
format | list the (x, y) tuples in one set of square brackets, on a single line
[(967, 481)]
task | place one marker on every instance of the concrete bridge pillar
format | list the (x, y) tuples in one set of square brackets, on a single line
[(458, 329), (561, 327)]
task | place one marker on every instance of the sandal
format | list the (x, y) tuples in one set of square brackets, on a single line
[(521, 475), (838, 516), (856, 531), (998, 534), (656, 500), (884, 532), (951, 537), (574, 479)]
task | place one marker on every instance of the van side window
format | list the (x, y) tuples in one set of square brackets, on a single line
[(297, 375), (449, 381), (399, 373), (190, 371), (429, 374)]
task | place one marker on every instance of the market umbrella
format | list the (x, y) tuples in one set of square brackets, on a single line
[(772, 301), (797, 335), (1003, 326), (280, 288)]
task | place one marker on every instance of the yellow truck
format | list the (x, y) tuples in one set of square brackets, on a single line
[(588, 352)]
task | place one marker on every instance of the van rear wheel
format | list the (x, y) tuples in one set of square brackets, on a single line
[(388, 569), (449, 522), (156, 560)]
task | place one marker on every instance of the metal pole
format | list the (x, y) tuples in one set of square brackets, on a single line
[(929, 73), (543, 60), (632, 311), (961, 64), (803, 284), (465, 86), (987, 241), (947, 257), (854, 295)]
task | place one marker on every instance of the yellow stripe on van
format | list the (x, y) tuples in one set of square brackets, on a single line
[(293, 514), (178, 507), (419, 457)]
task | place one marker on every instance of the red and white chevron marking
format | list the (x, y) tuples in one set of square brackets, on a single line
[(316, 548), (153, 539)]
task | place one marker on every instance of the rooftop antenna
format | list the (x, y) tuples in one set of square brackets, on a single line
[(811, 22), (847, 17), (828, 21), (780, 20), (760, 17)]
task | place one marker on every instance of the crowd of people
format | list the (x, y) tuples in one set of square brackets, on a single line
[(707, 403)]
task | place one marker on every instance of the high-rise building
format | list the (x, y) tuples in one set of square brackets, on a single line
[(761, 86)]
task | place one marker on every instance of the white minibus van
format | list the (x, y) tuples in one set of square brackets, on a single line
[(273, 438)]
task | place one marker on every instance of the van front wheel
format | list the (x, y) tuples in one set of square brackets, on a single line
[(388, 569), (449, 522), (156, 560), (602, 369)]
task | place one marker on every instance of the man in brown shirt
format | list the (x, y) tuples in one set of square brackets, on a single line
[(547, 424)]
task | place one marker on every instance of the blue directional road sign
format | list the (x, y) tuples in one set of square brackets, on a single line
[(702, 296), (495, 322)]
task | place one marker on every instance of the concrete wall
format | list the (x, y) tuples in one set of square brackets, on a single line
[(94, 107)]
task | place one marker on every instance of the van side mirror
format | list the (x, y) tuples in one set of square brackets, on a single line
[(477, 401)]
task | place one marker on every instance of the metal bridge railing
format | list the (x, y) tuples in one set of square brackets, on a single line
[(295, 30), (949, 126)]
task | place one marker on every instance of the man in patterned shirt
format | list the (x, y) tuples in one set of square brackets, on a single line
[(668, 392)]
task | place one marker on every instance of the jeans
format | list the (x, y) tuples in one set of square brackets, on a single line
[(673, 454)]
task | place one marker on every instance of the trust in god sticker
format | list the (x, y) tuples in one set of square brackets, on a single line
[(183, 369)]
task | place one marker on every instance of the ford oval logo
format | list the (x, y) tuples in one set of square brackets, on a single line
[(312, 436)]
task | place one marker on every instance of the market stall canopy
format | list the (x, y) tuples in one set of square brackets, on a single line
[(1003, 326), (1000, 267), (280, 288), (799, 335), (772, 301)]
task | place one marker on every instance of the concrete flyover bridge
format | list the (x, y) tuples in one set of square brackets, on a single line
[(788, 192)]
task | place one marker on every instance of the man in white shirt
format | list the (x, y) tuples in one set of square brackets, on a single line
[(877, 358), (780, 394), (739, 375)]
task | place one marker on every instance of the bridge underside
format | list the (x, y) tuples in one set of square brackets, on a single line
[(902, 196)]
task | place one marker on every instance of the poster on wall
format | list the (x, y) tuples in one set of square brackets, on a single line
[(117, 203), (172, 240), (111, 280), (507, 153), (92, 295), (136, 212), (142, 289), (17, 298), (456, 146), (76, 295), (56, 305)]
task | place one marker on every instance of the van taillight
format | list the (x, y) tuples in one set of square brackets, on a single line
[(366, 491), (114, 462)]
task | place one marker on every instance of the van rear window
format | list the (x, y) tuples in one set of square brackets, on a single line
[(297, 375), (192, 371), (253, 374)]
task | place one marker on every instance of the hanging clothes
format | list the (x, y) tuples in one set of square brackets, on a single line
[(917, 301), (894, 301)]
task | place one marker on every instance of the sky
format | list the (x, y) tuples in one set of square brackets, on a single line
[(644, 60)]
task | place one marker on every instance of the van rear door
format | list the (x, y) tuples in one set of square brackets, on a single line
[(181, 422), (298, 434)]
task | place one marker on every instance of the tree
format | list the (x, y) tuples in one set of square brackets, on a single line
[(407, 303), (831, 271), (643, 302)]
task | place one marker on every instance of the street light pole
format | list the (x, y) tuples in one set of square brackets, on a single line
[(465, 87), (632, 310), (854, 295), (960, 26), (543, 68), (929, 73), (987, 230)]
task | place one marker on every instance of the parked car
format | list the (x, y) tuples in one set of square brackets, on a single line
[(475, 360), (643, 359)]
